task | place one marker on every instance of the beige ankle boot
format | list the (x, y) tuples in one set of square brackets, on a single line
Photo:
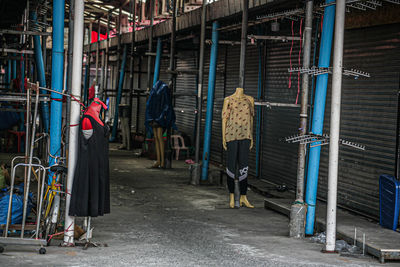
[(231, 201), (243, 200)]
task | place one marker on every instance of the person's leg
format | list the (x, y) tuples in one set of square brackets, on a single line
[(156, 146), (161, 146), (231, 158), (243, 162)]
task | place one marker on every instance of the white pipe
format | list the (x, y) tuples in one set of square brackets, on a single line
[(75, 115), (335, 125)]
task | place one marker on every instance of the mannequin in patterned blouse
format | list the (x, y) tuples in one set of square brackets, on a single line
[(237, 138)]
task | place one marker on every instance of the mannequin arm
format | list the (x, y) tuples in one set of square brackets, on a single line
[(224, 119)]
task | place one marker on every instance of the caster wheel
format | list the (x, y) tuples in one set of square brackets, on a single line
[(42, 251), (1, 249)]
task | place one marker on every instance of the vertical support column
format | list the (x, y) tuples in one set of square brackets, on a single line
[(132, 65), (243, 43), (150, 49), (14, 68), (210, 100), (298, 209), (196, 171), (318, 114), (119, 95), (103, 92), (57, 65), (158, 61), (69, 68), (242, 69), (75, 115), (172, 83), (335, 126), (260, 89), (40, 74)]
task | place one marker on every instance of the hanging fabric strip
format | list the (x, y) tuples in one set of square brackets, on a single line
[(298, 74), (290, 58)]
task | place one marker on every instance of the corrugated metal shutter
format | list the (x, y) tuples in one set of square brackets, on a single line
[(186, 84), (369, 108), (279, 159)]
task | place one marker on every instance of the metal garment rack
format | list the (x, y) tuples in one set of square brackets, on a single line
[(319, 140)]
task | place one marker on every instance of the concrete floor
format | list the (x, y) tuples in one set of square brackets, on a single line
[(157, 219)]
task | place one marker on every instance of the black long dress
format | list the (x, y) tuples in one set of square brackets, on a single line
[(91, 188)]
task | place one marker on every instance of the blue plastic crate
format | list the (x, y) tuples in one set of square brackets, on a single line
[(389, 201)]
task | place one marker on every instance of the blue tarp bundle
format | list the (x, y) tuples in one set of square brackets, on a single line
[(17, 204)]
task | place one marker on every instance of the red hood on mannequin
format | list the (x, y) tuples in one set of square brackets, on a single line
[(94, 110)]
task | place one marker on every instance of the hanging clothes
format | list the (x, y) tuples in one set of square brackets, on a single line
[(91, 188), (159, 110)]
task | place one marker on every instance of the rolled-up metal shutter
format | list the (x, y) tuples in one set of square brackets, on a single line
[(368, 116)]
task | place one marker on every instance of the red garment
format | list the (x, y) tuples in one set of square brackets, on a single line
[(93, 111), (91, 92)]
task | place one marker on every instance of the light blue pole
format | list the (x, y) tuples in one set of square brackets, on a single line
[(258, 118), (119, 95), (210, 100), (41, 74), (318, 114), (158, 61), (57, 65)]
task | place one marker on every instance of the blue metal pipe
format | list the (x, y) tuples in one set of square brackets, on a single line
[(158, 61), (259, 94), (41, 75), (9, 71), (318, 114), (14, 69), (210, 100), (119, 95), (57, 66)]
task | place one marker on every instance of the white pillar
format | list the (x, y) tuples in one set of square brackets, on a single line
[(335, 125), (75, 115)]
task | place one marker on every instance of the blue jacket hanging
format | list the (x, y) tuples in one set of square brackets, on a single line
[(159, 110)]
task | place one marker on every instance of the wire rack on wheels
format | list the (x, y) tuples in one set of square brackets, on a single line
[(39, 172)]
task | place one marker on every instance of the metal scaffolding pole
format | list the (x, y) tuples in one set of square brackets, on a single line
[(196, 171), (149, 57), (298, 209), (75, 116), (335, 126)]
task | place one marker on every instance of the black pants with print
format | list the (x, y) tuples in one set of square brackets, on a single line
[(237, 158)]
